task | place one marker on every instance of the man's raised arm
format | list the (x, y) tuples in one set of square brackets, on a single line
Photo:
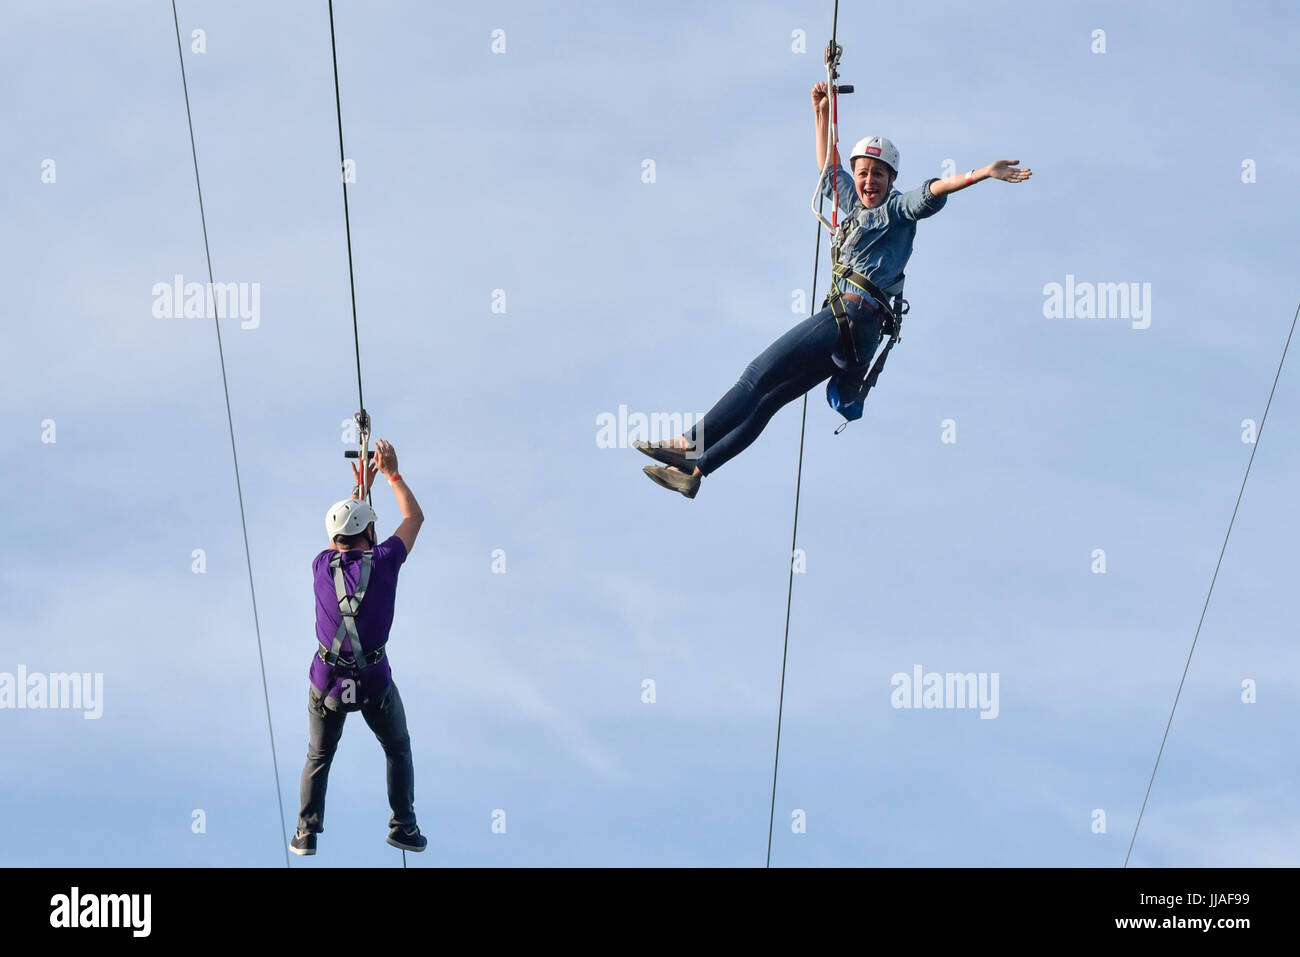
[(412, 517)]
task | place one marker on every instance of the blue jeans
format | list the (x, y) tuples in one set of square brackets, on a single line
[(785, 370), (387, 719)]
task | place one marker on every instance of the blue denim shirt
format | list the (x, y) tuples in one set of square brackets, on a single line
[(878, 242)]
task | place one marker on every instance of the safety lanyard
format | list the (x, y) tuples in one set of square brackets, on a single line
[(832, 57), (362, 453)]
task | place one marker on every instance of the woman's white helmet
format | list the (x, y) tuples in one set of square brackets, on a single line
[(348, 517), (879, 148)]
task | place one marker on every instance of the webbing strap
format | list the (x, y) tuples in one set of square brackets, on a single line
[(834, 299), (373, 658), (349, 605), (859, 281)]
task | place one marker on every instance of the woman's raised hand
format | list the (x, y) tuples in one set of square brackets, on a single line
[(819, 100)]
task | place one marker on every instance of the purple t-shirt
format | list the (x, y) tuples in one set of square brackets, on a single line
[(373, 620)]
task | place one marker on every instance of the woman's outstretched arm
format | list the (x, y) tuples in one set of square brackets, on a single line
[(1004, 170)]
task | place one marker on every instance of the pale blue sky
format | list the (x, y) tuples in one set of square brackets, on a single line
[(522, 172)]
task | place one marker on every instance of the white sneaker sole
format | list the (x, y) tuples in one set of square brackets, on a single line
[(405, 847)]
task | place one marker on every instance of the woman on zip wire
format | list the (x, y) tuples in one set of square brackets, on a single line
[(879, 225)]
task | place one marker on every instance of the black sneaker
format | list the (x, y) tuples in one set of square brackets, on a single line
[(408, 838), (304, 844)]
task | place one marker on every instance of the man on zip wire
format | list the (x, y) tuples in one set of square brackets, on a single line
[(878, 228), (356, 588)]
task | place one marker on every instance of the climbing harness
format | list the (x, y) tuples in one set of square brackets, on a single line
[(847, 392), (349, 606)]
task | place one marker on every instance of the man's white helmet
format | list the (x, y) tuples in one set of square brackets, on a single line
[(348, 517), (879, 148)]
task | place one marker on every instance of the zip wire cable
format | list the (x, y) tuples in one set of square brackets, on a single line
[(230, 421), (1242, 491), (347, 222), (794, 534)]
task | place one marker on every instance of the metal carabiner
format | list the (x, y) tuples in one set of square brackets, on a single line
[(832, 57)]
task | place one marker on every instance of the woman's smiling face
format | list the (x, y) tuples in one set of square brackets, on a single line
[(872, 179)]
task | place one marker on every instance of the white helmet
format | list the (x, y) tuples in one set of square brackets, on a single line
[(348, 517), (879, 148)]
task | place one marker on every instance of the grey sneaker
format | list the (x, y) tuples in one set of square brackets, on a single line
[(668, 456), (685, 482)]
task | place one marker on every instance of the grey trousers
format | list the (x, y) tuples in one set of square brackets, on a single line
[(387, 719)]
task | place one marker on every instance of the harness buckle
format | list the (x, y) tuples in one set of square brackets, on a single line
[(350, 664)]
